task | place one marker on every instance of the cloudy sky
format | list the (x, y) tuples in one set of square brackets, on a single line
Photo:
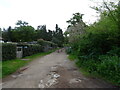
[(40, 12)]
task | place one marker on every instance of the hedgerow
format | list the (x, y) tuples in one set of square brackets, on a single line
[(45, 43), (29, 49), (8, 51)]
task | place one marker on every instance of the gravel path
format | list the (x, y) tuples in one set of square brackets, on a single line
[(52, 71)]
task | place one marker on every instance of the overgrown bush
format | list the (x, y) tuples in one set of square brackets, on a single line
[(41, 42), (93, 45), (115, 51), (68, 50), (110, 68), (98, 50), (107, 67), (8, 51)]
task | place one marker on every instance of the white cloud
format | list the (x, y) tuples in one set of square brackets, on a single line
[(39, 12)]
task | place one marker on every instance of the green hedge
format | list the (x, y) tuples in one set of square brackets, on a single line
[(45, 43), (8, 51), (31, 49)]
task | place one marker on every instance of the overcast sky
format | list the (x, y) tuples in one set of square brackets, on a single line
[(40, 12)]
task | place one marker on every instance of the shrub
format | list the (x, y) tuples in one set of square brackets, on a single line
[(41, 42), (109, 68), (68, 50), (8, 51), (114, 52)]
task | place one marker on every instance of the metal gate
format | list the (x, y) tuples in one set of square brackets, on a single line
[(19, 52)]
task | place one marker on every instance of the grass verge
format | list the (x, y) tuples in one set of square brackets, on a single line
[(72, 57), (10, 66)]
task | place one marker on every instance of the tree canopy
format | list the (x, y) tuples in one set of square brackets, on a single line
[(26, 33)]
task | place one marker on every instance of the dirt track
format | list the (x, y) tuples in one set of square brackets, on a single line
[(52, 71)]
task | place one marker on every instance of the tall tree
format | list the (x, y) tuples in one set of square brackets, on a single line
[(25, 33), (49, 35), (21, 23), (76, 27), (7, 34), (77, 18), (58, 36), (42, 32)]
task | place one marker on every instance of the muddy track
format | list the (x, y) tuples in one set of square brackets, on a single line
[(52, 71)]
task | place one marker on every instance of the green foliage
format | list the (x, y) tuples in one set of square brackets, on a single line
[(100, 38), (55, 40), (10, 66), (49, 35), (41, 42), (53, 36), (66, 39), (58, 36), (72, 57), (42, 32), (98, 50), (8, 51), (26, 33), (39, 54), (115, 51), (95, 44), (77, 17), (107, 67), (45, 43), (19, 34), (7, 34), (68, 50), (21, 23)]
